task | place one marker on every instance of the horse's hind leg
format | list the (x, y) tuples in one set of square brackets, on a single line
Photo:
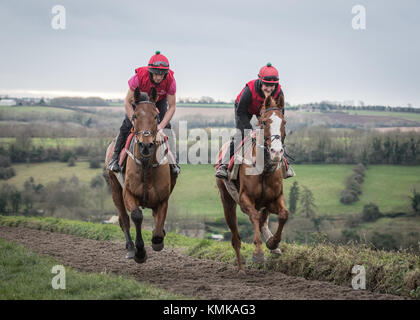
[(123, 218), (229, 208)]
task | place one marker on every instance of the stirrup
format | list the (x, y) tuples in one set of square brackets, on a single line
[(222, 172), (289, 172), (175, 169), (114, 166)]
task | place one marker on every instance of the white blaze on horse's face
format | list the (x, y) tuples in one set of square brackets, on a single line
[(276, 150)]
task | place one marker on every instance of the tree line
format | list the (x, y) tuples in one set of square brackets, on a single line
[(327, 106), (319, 145)]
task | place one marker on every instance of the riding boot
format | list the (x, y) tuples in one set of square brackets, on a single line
[(289, 172), (222, 171), (175, 168), (119, 144)]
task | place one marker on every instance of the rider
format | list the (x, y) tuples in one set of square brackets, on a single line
[(157, 74), (248, 103)]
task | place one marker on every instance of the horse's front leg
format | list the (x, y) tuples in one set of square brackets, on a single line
[(248, 206), (264, 216), (159, 215), (283, 214), (137, 217)]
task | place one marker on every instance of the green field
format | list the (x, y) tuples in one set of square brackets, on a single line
[(196, 194), (37, 113), (403, 115), (51, 171), (204, 105), (29, 109), (54, 142)]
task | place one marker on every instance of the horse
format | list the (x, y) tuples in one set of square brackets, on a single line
[(261, 193), (147, 182)]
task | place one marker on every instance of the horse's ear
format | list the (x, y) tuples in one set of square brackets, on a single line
[(137, 95), (280, 100), (153, 95), (266, 104)]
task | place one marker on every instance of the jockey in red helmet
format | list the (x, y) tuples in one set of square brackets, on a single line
[(155, 75), (247, 104)]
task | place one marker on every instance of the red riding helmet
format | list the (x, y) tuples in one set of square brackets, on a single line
[(268, 74), (158, 64)]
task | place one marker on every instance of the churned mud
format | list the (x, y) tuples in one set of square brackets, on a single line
[(172, 270)]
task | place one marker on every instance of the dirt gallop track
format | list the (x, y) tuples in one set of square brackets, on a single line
[(176, 272)]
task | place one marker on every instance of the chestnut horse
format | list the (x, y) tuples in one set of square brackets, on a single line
[(147, 182), (261, 192)]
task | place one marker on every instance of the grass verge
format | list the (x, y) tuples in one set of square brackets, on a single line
[(25, 275), (386, 272)]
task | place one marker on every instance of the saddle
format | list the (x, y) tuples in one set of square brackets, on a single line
[(237, 159)]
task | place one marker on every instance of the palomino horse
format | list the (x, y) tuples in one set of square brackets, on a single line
[(148, 183), (261, 193)]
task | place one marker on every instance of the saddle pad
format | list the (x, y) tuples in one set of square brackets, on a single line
[(123, 153), (225, 148)]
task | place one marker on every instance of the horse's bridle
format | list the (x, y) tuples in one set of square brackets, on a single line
[(144, 160), (273, 136)]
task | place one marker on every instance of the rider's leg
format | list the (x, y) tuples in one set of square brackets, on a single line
[(162, 106), (175, 168), (289, 172), (222, 171), (119, 144)]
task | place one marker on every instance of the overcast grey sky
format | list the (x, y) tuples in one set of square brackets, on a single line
[(215, 47)]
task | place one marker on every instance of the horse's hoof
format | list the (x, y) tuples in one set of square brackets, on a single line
[(140, 257), (276, 251), (258, 258), (271, 244), (241, 273), (157, 243), (130, 254), (157, 246)]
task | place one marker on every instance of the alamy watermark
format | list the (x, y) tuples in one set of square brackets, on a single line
[(358, 282), (58, 21), (58, 281), (202, 146), (359, 20)]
